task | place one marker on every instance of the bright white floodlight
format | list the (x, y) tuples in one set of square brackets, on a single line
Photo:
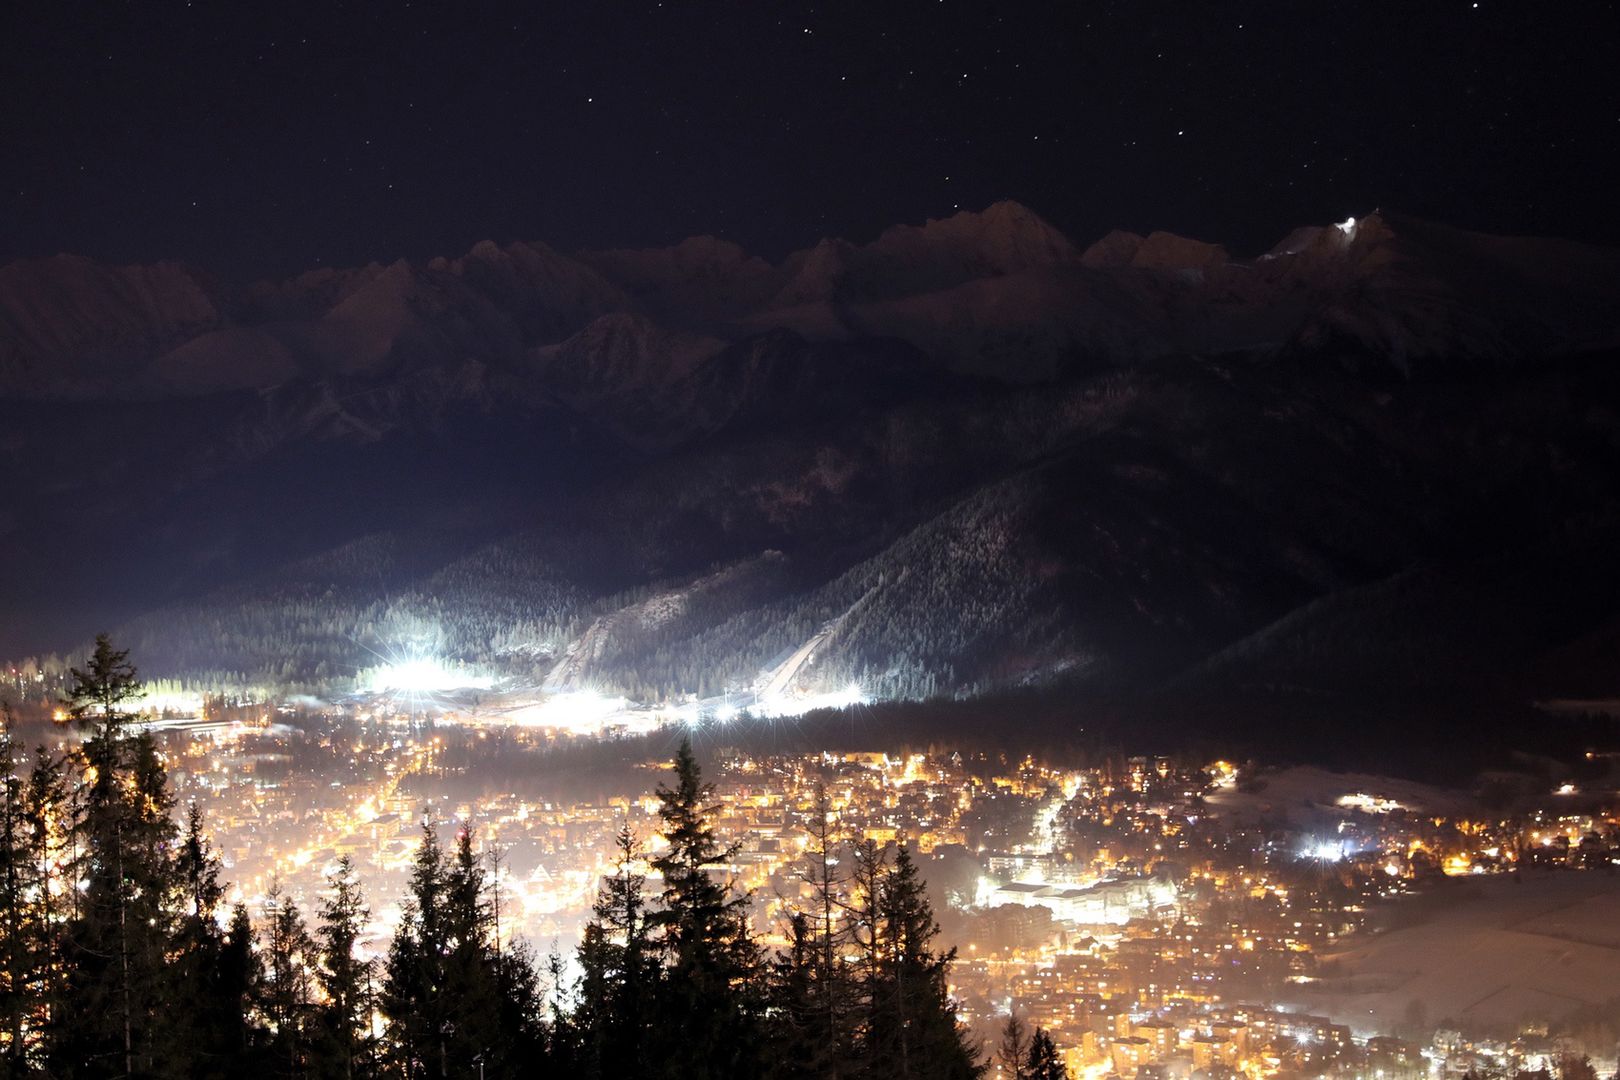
[(1325, 850), (423, 675)]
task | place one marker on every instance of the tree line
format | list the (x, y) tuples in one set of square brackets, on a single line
[(119, 958), (512, 608)]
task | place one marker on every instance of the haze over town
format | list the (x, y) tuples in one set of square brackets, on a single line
[(930, 541)]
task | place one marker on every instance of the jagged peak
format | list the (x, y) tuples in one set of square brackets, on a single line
[(1117, 248), (1360, 231), (1169, 251), (67, 313), (703, 247), (1158, 250), (827, 249), (706, 245), (1298, 240), (617, 325), (1008, 233), (489, 252), (1004, 238), (702, 275), (1010, 215), (1001, 213), (66, 267)]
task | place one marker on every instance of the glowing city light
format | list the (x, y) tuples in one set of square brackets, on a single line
[(1325, 850), (1371, 804)]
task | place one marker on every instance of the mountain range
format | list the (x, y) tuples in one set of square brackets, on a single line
[(1378, 461)]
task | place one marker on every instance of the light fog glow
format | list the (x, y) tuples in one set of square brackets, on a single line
[(781, 705), (580, 708)]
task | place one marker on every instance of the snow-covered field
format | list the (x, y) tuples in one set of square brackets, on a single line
[(1301, 795), (1481, 952)]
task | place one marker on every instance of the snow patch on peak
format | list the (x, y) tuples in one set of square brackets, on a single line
[(1296, 242), (616, 354), (1162, 251), (484, 251), (108, 318), (701, 278), (1005, 238), (908, 260), (1116, 249), (817, 274), (1167, 251)]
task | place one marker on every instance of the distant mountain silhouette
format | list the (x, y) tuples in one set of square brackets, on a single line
[(1382, 456)]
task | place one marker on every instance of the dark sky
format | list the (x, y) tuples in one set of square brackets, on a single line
[(265, 138)]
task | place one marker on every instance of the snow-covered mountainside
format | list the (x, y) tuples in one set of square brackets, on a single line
[(965, 455)]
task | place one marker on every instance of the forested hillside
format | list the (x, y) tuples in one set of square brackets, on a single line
[(963, 457)]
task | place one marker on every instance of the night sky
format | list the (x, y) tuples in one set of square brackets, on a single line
[(261, 139)]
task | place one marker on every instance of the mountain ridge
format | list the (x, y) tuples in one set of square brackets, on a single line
[(965, 455), (969, 289)]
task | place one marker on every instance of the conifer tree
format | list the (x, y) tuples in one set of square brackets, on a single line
[(580, 1027), (241, 983), (21, 944), (1012, 1056), (620, 971), (287, 998), (455, 1004), (115, 945), (711, 1008), (471, 976), (566, 1037), (812, 992), (414, 976), (865, 937), (45, 819), (196, 953), (912, 1027), (797, 1049), (199, 876), (344, 1047), (525, 1046), (1043, 1062), (46, 812)]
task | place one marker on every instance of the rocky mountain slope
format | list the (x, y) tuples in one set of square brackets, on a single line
[(965, 455), (1000, 294)]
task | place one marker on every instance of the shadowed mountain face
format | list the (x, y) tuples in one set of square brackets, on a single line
[(1380, 459)]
